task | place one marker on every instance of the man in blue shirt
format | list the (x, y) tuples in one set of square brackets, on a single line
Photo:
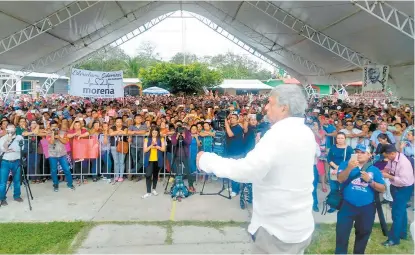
[(358, 200), (235, 145), (383, 129)]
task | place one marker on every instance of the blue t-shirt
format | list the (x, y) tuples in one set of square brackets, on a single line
[(236, 143), (337, 156), (263, 127), (358, 192), (329, 139), (374, 137)]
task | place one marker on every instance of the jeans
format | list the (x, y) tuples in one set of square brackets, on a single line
[(363, 218), (236, 186), (119, 164), (33, 165), (65, 167), (6, 167), (315, 185), (401, 196), (138, 158), (104, 158)]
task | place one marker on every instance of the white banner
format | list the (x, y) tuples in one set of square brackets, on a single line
[(96, 84), (375, 77)]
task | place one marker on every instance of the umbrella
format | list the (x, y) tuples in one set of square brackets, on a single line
[(155, 91)]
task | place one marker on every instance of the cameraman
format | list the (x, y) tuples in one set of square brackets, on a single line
[(235, 144), (181, 153), (10, 152), (57, 153)]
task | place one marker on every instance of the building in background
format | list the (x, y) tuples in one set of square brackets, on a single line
[(32, 83), (242, 87)]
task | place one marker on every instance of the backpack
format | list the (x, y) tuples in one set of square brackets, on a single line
[(179, 190), (335, 198)]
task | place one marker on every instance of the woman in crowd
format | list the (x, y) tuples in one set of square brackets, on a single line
[(154, 148), (320, 136), (81, 167), (118, 135), (381, 162), (338, 153), (105, 163), (407, 147), (33, 159), (94, 132), (193, 149)]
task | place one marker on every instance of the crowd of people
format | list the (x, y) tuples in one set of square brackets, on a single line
[(140, 137)]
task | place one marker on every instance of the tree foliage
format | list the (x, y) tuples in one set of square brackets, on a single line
[(180, 78), (235, 66), (173, 75), (184, 58)]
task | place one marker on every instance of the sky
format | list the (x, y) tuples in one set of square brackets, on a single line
[(187, 34)]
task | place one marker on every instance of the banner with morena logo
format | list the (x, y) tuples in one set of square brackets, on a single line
[(96, 84)]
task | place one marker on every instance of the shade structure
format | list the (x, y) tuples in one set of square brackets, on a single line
[(155, 91), (316, 42)]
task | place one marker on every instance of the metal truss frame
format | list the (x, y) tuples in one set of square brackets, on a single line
[(78, 45), (218, 29), (48, 83), (255, 52), (44, 25), (389, 15), (116, 43), (310, 33), (261, 39)]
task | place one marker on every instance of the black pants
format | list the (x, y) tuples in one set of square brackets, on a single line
[(363, 218), (152, 170)]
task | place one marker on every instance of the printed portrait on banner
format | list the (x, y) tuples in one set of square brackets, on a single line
[(375, 77)]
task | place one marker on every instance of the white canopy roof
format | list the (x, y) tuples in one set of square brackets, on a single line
[(156, 91), (244, 84), (314, 41), (33, 74)]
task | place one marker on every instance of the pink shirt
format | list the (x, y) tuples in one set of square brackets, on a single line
[(402, 170)]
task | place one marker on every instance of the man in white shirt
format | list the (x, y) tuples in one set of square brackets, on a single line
[(10, 149), (280, 167)]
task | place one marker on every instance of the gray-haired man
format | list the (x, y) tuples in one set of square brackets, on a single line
[(280, 168)]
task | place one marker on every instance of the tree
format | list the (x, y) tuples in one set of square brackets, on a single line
[(179, 58), (180, 78), (235, 66)]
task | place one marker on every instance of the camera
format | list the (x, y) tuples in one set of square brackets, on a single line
[(219, 122), (180, 129)]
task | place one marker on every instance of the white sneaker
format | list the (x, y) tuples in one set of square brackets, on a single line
[(233, 194), (147, 195), (154, 192)]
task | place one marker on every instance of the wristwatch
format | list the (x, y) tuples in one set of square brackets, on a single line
[(370, 181)]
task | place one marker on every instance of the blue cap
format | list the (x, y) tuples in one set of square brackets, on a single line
[(362, 147)]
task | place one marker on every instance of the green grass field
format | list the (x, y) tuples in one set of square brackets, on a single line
[(58, 237)]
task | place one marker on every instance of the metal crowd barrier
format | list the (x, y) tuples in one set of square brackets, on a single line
[(105, 165)]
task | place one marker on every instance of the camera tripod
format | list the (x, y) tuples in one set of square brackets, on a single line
[(219, 149), (178, 182), (23, 178)]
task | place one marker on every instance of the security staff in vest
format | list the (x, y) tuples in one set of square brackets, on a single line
[(10, 149), (400, 173), (359, 201)]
